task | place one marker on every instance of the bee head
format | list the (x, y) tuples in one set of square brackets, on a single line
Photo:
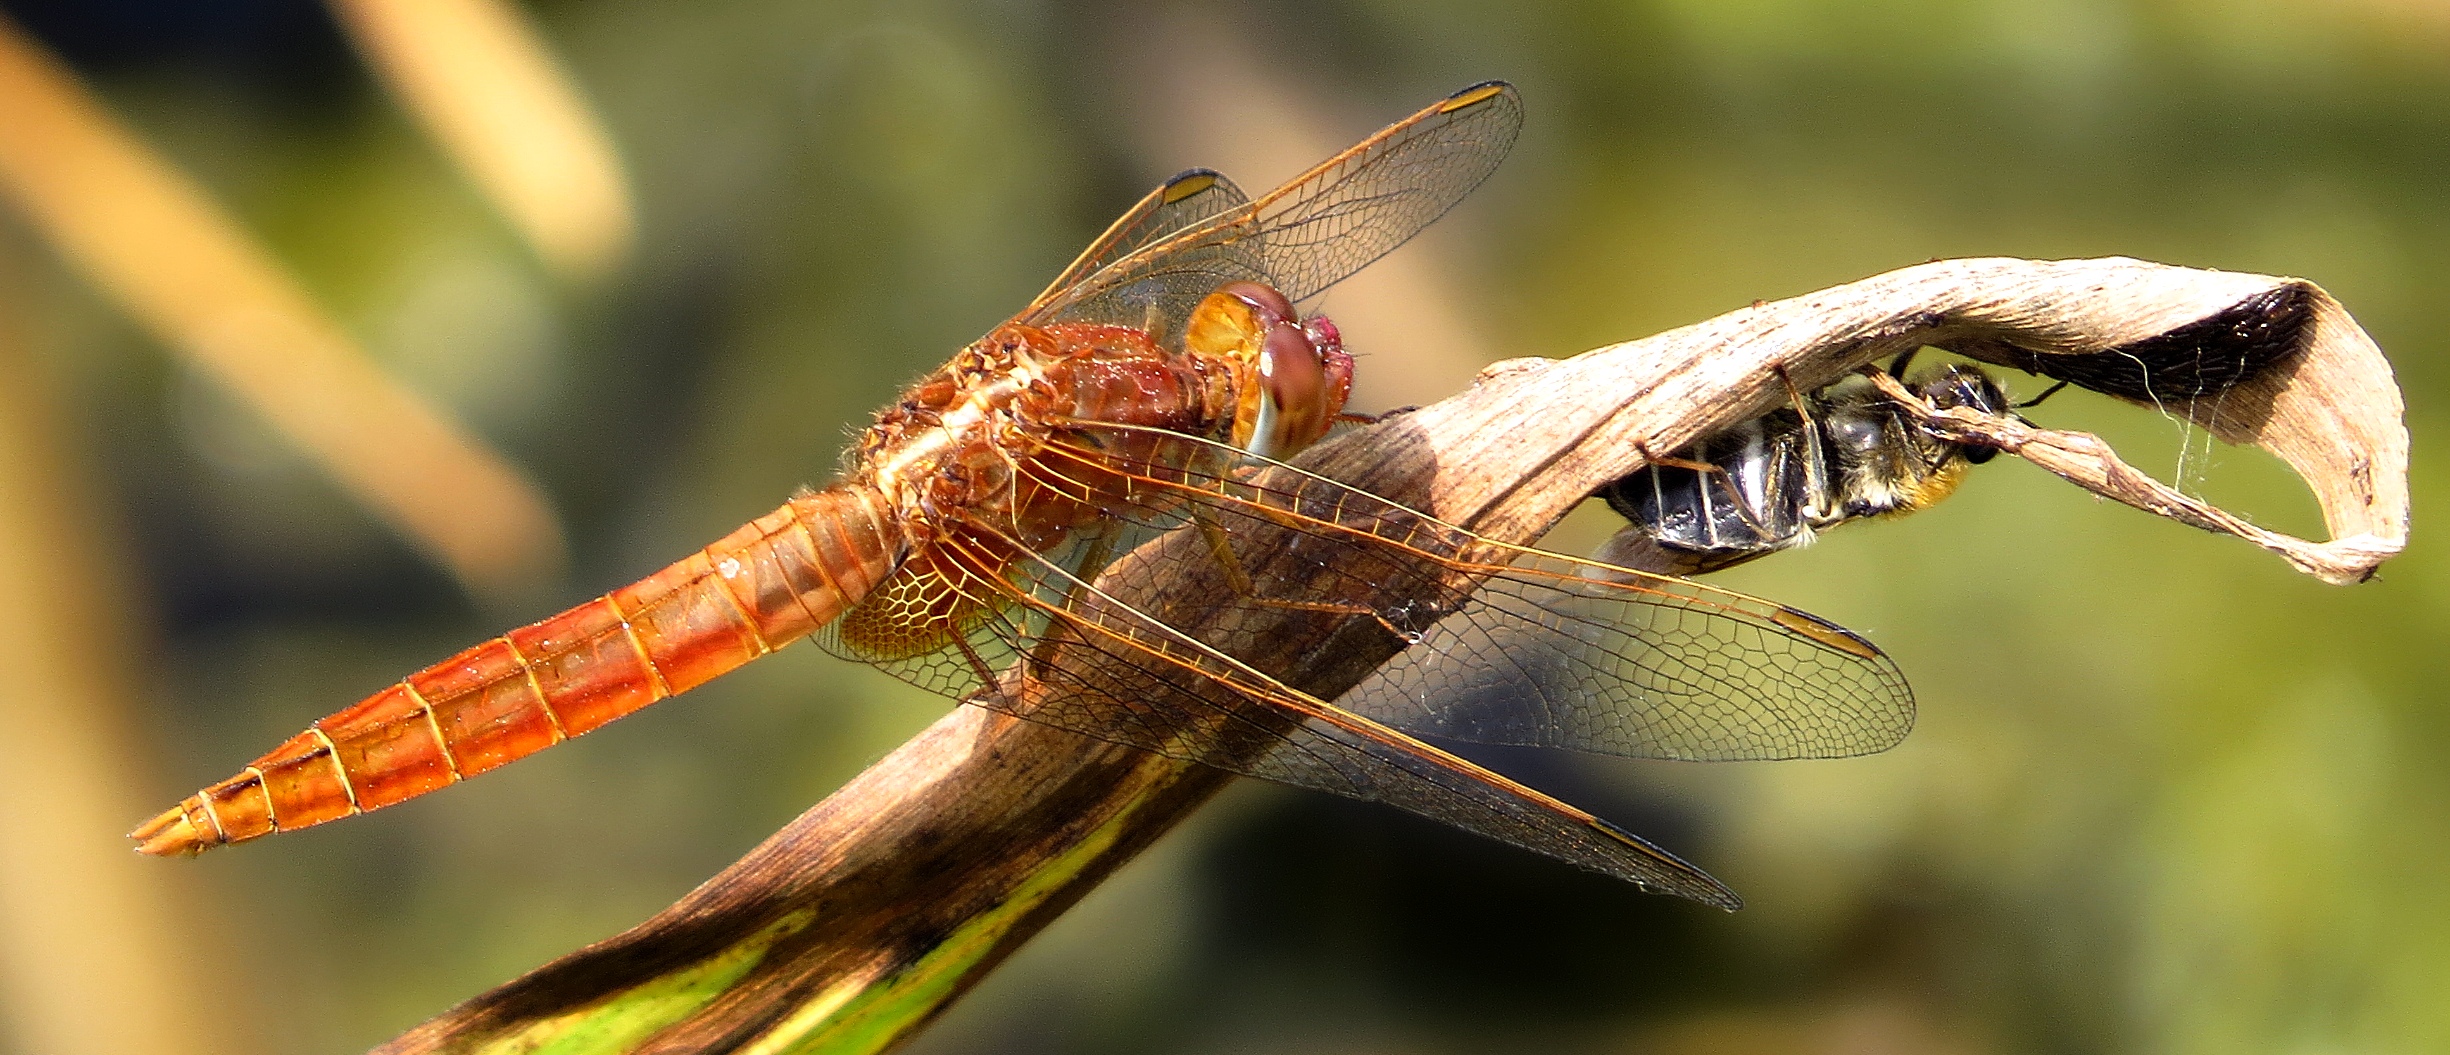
[(1969, 387)]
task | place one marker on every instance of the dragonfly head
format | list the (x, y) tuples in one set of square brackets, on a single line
[(1292, 377)]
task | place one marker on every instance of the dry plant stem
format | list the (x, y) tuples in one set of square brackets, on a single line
[(869, 914)]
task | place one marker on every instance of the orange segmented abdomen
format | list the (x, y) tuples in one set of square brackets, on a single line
[(761, 587)]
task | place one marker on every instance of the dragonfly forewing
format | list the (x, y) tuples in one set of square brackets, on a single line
[(1317, 229), (1186, 200), (1256, 577), (1090, 662), (1507, 645)]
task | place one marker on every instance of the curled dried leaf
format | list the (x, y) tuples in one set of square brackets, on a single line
[(2252, 359), (2089, 462)]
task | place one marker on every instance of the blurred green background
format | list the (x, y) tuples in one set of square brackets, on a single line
[(2165, 795)]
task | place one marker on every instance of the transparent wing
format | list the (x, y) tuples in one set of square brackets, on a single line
[(1491, 643), (978, 616), (1549, 654), (1083, 661), (1508, 645), (1189, 199), (1314, 231)]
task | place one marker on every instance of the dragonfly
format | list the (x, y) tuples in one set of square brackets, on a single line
[(1134, 420)]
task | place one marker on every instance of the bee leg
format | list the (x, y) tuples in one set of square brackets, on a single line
[(2046, 393), (1897, 366), (1794, 396), (1673, 462)]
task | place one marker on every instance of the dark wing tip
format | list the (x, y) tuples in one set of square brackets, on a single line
[(1826, 633), (1475, 95), (1186, 183), (1673, 874)]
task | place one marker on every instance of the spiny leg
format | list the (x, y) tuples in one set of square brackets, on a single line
[(1815, 455), (1096, 553), (1152, 320), (1707, 470), (2037, 400), (1239, 580), (1794, 396), (1354, 418)]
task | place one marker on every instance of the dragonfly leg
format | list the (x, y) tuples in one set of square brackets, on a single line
[(1095, 555), (1816, 483), (987, 679), (1152, 320), (1735, 498), (1238, 578), (1096, 551), (1093, 560), (1354, 418)]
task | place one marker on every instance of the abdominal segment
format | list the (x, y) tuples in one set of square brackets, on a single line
[(765, 585)]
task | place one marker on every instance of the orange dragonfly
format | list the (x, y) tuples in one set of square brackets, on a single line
[(1151, 388)]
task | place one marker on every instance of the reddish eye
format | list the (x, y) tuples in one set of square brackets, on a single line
[(1294, 373), (1293, 393)]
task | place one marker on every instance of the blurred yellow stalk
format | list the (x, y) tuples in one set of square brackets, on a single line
[(486, 87), (97, 956), (185, 269)]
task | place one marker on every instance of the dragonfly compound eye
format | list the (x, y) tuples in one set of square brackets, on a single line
[(1294, 376), (1338, 363), (1294, 394)]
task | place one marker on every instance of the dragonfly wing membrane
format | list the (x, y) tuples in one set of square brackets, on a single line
[(1104, 669), (1508, 645), (1187, 199), (1320, 227), (1545, 654), (922, 624), (1164, 295), (1362, 204)]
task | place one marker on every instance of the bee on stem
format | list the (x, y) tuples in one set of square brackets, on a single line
[(1844, 452)]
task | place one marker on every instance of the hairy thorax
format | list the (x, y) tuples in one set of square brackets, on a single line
[(961, 443)]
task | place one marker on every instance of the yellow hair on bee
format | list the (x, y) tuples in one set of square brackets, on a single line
[(1927, 490)]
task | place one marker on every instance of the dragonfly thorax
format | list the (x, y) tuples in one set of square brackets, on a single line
[(944, 429), (961, 439)]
